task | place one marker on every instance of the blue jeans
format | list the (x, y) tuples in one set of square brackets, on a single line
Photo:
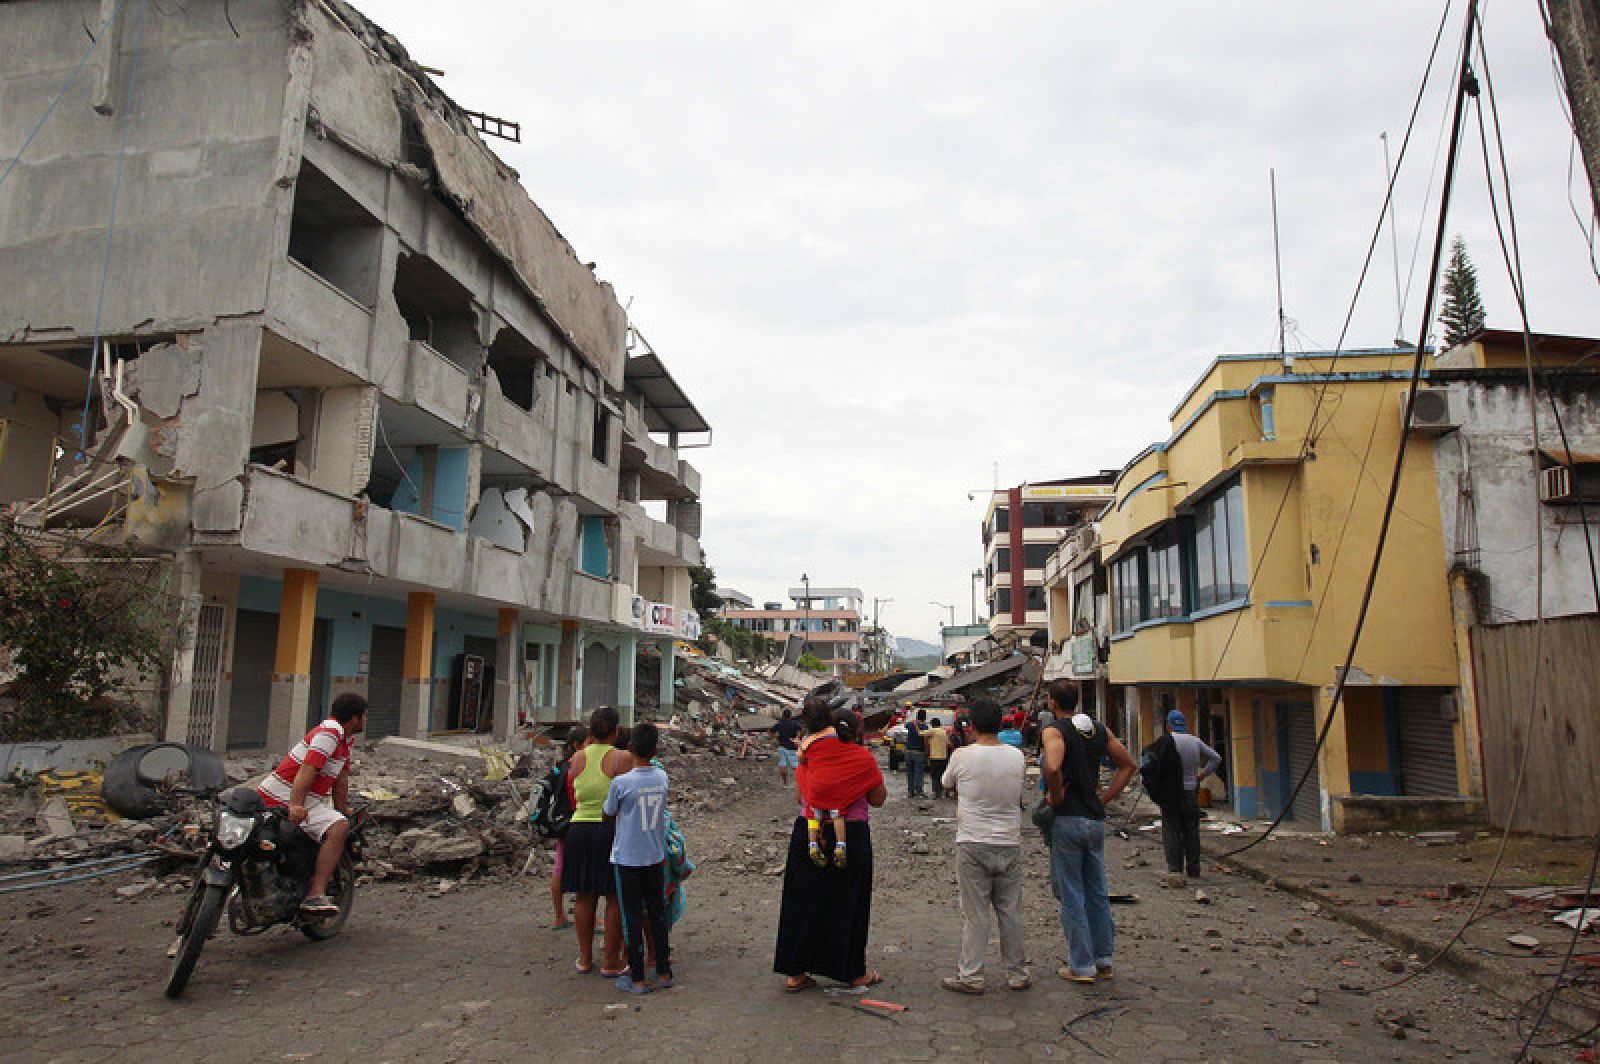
[(1078, 866), (916, 764)]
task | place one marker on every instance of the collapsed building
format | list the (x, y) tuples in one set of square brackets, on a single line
[(269, 304)]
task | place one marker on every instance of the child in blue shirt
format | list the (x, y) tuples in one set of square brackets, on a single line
[(637, 802)]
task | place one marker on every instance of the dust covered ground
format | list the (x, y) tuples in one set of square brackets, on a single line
[(473, 972)]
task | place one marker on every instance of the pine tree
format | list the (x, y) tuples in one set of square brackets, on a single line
[(1461, 315)]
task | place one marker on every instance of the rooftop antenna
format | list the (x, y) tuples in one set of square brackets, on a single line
[(1277, 268), (1394, 244)]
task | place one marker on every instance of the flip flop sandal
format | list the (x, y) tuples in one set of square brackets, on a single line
[(612, 975), (581, 970), (872, 978), (805, 983), (562, 927)]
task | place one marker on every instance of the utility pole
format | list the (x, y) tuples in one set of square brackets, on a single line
[(883, 660), (805, 628), (1574, 26), (972, 592)]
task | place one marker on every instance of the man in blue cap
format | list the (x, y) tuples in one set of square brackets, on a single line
[(1180, 826)]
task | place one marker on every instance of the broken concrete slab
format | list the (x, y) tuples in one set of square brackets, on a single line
[(55, 820), (444, 753)]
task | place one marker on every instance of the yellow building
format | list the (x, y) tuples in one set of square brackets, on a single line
[(1238, 550)]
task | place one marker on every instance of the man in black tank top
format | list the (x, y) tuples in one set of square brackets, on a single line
[(1074, 748)]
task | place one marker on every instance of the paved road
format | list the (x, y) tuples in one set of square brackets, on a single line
[(475, 975)]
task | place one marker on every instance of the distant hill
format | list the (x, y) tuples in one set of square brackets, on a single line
[(916, 648)]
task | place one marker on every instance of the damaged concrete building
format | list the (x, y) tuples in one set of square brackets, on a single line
[(269, 303)]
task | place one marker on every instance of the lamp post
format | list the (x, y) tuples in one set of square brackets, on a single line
[(945, 606), (805, 629), (972, 589), (880, 663)]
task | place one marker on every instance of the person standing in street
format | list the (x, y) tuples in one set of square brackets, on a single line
[(916, 753), (636, 803), (1041, 724), (1074, 747), (938, 743), (1180, 823), (788, 731), (986, 780)]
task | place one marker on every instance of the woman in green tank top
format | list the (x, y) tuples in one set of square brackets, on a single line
[(586, 857)]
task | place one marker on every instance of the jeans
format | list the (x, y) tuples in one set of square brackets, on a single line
[(936, 775), (1180, 835), (916, 764), (991, 876), (1078, 866), (642, 891)]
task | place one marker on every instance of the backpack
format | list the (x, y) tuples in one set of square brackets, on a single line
[(551, 807), (1161, 769), (678, 868)]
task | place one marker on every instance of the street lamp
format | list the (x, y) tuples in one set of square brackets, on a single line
[(805, 630), (944, 606), (972, 588), (881, 662)]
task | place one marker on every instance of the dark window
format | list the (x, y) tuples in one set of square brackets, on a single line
[(1002, 560), (1035, 598), (1083, 606), (1221, 565), (334, 237), (515, 363), (1128, 593), (1048, 515), (1166, 575), (1002, 520), (1002, 600), (600, 446), (1034, 554)]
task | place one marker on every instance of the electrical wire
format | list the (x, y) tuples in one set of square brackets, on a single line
[(1586, 228), (94, 42)]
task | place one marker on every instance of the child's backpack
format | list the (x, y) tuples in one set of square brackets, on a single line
[(551, 806)]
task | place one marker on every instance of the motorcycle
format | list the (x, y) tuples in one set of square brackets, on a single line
[(257, 869)]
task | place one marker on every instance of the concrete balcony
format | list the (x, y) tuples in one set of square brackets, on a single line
[(290, 519), (319, 317), (590, 598), (527, 439), (426, 552), (689, 477), (437, 385), (495, 572)]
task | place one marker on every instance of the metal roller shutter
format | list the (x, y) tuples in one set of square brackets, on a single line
[(385, 670), (255, 645), (1427, 743), (1302, 731)]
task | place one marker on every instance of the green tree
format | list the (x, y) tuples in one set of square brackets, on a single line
[(703, 592), (811, 663), (78, 621), (1461, 311)]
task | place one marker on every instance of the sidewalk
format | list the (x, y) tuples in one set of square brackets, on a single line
[(1413, 892)]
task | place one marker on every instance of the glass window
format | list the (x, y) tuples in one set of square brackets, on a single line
[(1128, 602), (1205, 565), (1002, 560), (1034, 554), (1264, 405), (1166, 576), (1002, 522), (1083, 605), (1002, 600), (1035, 598), (1238, 555), (1221, 561)]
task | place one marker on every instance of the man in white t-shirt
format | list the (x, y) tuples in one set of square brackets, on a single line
[(986, 780)]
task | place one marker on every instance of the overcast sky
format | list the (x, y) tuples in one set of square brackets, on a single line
[(886, 246)]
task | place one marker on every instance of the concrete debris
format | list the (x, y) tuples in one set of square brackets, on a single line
[(55, 820), (1522, 941)]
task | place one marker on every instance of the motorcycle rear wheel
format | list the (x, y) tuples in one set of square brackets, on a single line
[(202, 923), (342, 890)]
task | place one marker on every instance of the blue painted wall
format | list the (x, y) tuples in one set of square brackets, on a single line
[(450, 488)]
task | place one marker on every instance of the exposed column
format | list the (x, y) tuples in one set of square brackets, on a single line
[(1469, 740), (507, 664), (669, 662), (416, 694), (627, 673), (1333, 765), (291, 670), (1243, 775), (567, 671), (180, 692)]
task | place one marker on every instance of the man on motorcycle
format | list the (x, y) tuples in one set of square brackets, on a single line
[(313, 780)]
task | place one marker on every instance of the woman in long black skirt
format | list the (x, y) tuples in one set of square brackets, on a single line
[(826, 912)]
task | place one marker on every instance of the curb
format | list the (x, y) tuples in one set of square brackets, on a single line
[(1514, 987)]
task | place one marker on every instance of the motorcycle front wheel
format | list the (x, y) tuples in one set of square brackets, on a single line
[(202, 921), (342, 891)]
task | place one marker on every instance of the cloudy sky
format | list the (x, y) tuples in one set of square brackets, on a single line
[(890, 247)]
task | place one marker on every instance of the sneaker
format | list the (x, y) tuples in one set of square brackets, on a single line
[(839, 856), (319, 905), (1104, 971), (1019, 984), (818, 858), (626, 984), (664, 982), (958, 986)]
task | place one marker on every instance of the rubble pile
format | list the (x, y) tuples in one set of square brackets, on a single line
[(717, 705)]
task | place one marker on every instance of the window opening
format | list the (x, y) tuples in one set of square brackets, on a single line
[(334, 237)]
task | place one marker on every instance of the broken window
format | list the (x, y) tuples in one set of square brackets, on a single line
[(600, 447), (331, 235), (438, 310), (515, 363)]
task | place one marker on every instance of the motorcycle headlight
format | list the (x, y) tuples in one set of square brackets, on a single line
[(232, 830)]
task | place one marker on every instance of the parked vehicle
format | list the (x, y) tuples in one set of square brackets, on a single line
[(257, 869)]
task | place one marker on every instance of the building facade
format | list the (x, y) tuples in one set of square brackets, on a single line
[(1238, 549), (394, 433), (1021, 528), (1076, 584), (826, 619)]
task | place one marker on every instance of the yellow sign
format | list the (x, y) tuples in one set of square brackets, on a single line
[(81, 792)]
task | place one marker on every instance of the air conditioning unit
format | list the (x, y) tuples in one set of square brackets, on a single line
[(1434, 412)]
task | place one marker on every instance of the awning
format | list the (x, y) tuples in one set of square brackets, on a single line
[(1562, 456), (666, 407)]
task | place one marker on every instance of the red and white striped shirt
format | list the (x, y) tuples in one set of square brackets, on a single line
[(325, 748)]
